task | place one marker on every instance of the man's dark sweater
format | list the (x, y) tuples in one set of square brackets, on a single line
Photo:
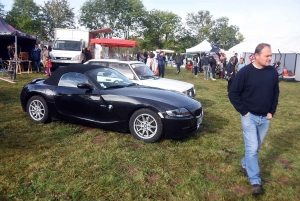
[(255, 90)]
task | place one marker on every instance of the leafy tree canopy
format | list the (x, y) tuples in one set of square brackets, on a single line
[(56, 14), (24, 15)]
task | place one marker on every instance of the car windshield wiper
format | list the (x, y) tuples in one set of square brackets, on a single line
[(148, 76), (132, 84), (115, 86)]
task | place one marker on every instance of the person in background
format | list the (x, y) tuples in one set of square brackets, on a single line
[(48, 66), (220, 66), (195, 66), (230, 71), (11, 52), (166, 61), (213, 65), (254, 94), (235, 59), (205, 66), (87, 54), (35, 55), (145, 54), (141, 57), (241, 64), (224, 62), (161, 63), (178, 61), (45, 54), (49, 48), (150, 62)]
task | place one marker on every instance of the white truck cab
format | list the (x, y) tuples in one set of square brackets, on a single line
[(68, 45)]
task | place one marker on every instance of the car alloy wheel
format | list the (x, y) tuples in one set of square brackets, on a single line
[(146, 125), (37, 109)]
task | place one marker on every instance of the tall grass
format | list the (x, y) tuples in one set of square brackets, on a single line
[(63, 161)]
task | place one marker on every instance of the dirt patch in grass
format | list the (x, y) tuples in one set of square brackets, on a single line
[(134, 145), (283, 181), (285, 162), (86, 128), (132, 170), (211, 196), (240, 190), (99, 139), (211, 177), (153, 179)]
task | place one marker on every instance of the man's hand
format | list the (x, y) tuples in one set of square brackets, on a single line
[(246, 114), (269, 116)]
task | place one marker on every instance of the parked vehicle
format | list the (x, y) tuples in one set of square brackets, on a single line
[(67, 48), (139, 73), (79, 94)]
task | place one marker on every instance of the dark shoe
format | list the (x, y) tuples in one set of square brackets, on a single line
[(257, 189), (244, 171)]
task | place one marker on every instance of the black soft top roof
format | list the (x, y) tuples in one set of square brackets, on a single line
[(79, 68)]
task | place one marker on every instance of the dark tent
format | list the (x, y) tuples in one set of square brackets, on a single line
[(9, 34)]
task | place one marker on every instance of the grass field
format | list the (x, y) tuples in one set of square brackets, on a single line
[(62, 161)]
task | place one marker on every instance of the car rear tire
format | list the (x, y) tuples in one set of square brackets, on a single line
[(37, 109), (146, 125)]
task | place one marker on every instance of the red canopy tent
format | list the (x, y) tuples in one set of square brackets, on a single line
[(109, 42)]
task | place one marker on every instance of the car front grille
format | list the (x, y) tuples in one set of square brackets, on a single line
[(64, 58)]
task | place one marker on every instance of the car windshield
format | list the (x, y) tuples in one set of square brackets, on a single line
[(109, 78), (67, 45), (142, 71)]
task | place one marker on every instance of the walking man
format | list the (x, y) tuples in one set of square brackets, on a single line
[(178, 62), (254, 94), (205, 66)]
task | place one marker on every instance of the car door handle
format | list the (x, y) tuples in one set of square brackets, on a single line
[(59, 94)]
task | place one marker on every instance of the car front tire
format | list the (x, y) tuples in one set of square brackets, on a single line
[(146, 125), (37, 109)]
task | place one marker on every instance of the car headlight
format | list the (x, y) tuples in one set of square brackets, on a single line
[(76, 58), (181, 112)]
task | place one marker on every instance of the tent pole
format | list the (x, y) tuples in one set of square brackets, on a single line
[(16, 58)]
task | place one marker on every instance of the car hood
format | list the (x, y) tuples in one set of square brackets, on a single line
[(148, 94), (168, 84)]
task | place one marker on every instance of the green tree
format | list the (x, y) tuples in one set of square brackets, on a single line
[(185, 40), (2, 12), (224, 35), (25, 15), (199, 24), (159, 29), (56, 14), (124, 17)]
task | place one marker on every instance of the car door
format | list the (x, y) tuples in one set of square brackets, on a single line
[(75, 102)]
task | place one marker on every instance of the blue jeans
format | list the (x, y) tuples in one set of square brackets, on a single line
[(178, 67), (255, 129), (161, 70), (36, 65)]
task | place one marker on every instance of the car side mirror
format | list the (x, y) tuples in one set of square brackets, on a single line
[(84, 86)]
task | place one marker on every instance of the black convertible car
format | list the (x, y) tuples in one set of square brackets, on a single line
[(102, 97)]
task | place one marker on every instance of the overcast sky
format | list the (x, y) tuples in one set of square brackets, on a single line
[(255, 18)]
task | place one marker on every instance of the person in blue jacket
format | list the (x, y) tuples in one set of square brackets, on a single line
[(36, 58), (161, 63)]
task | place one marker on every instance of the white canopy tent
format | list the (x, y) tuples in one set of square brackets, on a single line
[(204, 46), (288, 47)]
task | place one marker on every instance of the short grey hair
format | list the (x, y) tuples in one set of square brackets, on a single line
[(261, 46)]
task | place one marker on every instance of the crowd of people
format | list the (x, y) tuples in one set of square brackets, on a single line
[(213, 68)]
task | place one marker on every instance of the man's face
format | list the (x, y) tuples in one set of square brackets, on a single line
[(36, 46), (265, 57)]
